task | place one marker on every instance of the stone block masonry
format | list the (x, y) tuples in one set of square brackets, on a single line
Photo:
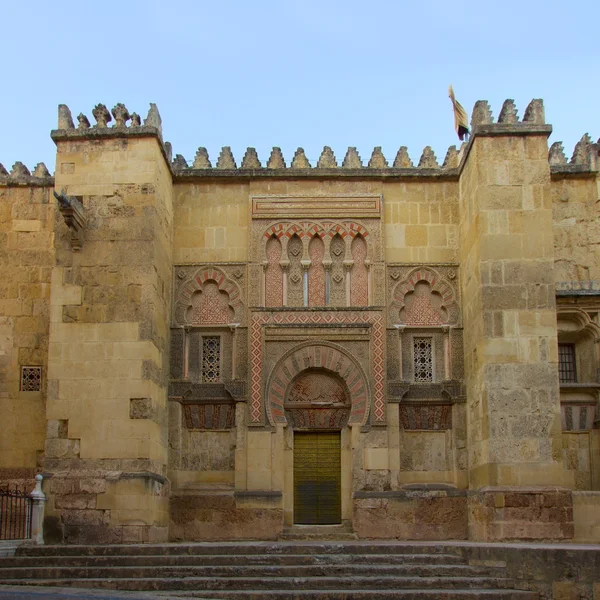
[(180, 343)]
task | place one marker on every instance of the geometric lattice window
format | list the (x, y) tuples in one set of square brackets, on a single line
[(211, 359), (423, 359), (31, 379), (567, 372)]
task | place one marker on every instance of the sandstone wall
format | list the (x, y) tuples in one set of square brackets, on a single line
[(576, 215), (107, 417), (26, 261)]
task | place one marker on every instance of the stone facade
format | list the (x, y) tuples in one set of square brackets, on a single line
[(168, 331)]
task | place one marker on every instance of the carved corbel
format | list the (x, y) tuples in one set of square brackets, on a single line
[(71, 208)]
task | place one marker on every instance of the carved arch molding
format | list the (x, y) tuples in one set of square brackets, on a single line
[(339, 370), (208, 297), (424, 298)]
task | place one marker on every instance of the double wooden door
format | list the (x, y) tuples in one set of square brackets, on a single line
[(317, 478)]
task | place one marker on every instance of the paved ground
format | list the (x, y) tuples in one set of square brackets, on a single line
[(23, 592)]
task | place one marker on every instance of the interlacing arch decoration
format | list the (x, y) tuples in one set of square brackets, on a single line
[(325, 357), (223, 294), (325, 229), (424, 299)]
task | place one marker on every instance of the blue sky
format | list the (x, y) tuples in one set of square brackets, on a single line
[(295, 73)]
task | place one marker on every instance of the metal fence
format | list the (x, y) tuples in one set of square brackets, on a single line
[(16, 508)]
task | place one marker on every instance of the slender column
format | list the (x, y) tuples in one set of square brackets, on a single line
[(305, 266), (285, 267), (369, 283), (400, 329), (447, 353), (186, 352), (263, 284), (348, 267), (327, 265), (233, 327)]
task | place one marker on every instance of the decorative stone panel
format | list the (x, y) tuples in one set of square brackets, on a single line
[(430, 417), (209, 416), (341, 318), (209, 295), (324, 358), (423, 296)]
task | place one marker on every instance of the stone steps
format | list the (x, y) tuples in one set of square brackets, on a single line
[(241, 548), (350, 570), (399, 594), (379, 582), (340, 570), (230, 559)]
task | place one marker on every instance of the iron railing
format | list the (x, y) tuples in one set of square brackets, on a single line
[(16, 508)]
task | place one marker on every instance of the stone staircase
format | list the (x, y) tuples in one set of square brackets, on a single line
[(343, 570)]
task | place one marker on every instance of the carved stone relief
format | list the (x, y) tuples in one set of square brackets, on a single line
[(315, 376), (209, 294), (422, 297)]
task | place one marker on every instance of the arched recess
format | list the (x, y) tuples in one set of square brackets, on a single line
[(216, 283), (316, 272), (359, 274), (424, 298), (273, 273), (325, 357)]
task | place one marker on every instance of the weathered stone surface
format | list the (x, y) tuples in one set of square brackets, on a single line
[(451, 160), (377, 160), (121, 115), (201, 160), (482, 114), (327, 159), (250, 160), (352, 159), (535, 112), (41, 170), (402, 160), (300, 161), (556, 154), (226, 160), (83, 121), (19, 170), (276, 159), (153, 118), (508, 113), (428, 159), (65, 120), (101, 115), (582, 151), (179, 162)]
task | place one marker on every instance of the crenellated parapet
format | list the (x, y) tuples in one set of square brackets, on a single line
[(115, 123), (326, 165), (20, 175), (584, 160), (508, 123)]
